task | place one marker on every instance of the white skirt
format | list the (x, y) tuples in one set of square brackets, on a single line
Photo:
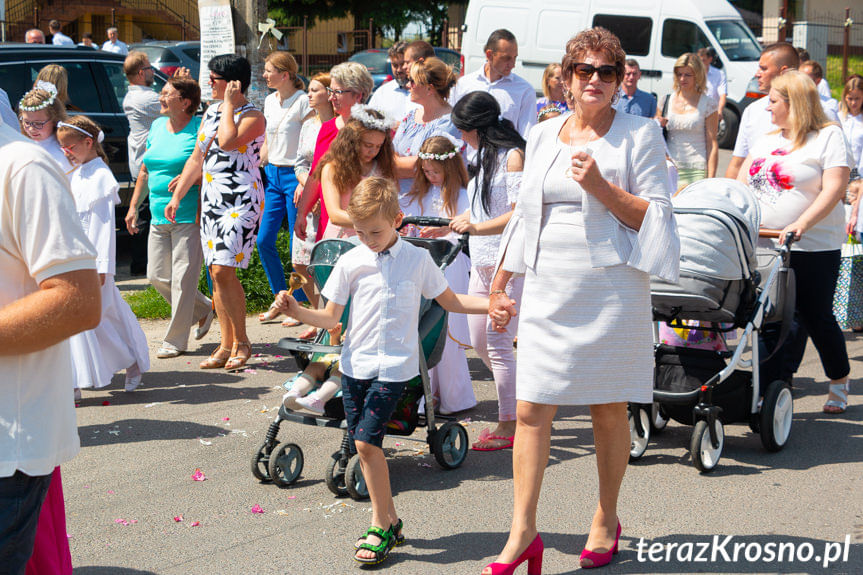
[(450, 378), (119, 342), (584, 333)]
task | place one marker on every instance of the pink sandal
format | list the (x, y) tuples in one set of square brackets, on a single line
[(485, 436)]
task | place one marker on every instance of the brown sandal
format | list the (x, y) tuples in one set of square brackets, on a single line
[(237, 361), (214, 362)]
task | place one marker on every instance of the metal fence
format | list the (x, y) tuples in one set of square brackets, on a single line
[(319, 48), (835, 40)]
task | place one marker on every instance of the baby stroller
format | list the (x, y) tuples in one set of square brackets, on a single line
[(283, 464), (726, 284)]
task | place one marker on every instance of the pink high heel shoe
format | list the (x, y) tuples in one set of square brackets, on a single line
[(533, 556), (599, 559)]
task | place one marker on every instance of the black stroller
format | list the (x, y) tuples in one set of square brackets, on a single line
[(727, 284), (283, 464)]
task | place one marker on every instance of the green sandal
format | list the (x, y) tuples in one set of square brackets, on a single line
[(381, 550), (396, 530)]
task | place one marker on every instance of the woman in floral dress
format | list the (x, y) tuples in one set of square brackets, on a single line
[(227, 160)]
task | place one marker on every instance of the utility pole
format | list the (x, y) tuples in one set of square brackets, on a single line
[(248, 14)]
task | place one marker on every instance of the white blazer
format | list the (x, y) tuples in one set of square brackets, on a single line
[(632, 157)]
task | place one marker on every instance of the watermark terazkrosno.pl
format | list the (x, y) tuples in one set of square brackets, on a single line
[(728, 549)]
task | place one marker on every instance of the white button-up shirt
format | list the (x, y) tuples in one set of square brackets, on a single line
[(61, 39), (516, 96), (382, 336), (717, 85), (118, 47), (394, 100)]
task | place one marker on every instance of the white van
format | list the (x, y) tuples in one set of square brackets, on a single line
[(653, 32)]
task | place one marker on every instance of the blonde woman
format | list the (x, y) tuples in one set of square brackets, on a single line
[(851, 116), (552, 89), (57, 75), (692, 122), (800, 173), (285, 110)]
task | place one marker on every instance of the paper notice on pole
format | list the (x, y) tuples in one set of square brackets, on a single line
[(217, 37)]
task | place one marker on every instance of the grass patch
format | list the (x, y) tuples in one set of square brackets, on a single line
[(150, 305), (834, 72)]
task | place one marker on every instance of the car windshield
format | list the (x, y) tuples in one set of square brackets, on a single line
[(736, 40), (376, 62)]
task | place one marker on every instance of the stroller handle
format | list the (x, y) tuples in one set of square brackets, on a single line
[(425, 221), (776, 234)]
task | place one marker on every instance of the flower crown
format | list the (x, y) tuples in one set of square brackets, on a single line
[(457, 146), (40, 85), (361, 113)]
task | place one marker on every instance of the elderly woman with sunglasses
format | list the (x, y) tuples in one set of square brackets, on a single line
[(592, 223), (350, 83)]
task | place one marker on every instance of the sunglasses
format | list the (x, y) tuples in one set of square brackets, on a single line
[(214, 79), (584, 72)]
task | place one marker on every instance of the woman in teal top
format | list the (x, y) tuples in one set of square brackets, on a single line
[(174, 250)]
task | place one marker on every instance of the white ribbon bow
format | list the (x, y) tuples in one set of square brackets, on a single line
[(268, 27)]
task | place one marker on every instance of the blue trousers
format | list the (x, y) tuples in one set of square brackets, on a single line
[(21, 498), (278, 203)]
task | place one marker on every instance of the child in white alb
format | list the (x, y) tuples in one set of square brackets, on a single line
[(120, 340), (385, 279)]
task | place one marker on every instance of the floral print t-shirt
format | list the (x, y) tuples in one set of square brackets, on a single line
[(787, 182)]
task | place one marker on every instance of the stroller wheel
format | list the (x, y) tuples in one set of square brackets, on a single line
[(638, 441), (704, 455), (335, 476), (658, 419), (286, 464), (777, 412), (261, 461), (354, 480), (449, 445)]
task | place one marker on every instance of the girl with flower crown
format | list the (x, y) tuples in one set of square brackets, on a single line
[(363, 148), (440, 190), (39, 112), (118, 342)]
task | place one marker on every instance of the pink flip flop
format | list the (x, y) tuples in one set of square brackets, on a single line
[(485, 435)]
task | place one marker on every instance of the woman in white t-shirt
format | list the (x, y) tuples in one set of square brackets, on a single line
[(285, 109), (799, 174), (692, 122)]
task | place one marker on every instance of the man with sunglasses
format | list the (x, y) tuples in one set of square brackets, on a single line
[(632, 100), (517, 98)]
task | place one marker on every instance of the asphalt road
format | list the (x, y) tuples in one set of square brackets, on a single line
[(133, 477)]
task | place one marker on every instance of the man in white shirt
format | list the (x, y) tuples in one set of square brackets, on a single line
[(717, 85), (113, 43), (814, 70), (49, 291), (517, 98), (393, 97), (58, 38)]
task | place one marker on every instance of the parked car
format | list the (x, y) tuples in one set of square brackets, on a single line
[(378, 62), (653, 32), (167, 56)]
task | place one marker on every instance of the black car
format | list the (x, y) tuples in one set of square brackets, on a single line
[(97, 86)]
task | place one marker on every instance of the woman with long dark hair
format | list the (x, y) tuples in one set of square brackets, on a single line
[(492, 192)]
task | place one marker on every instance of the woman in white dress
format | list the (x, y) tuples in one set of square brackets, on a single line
[(439, 191), (592, 223), (692, 122), (492, 193)]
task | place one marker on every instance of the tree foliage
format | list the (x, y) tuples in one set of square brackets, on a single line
[(389, 16)]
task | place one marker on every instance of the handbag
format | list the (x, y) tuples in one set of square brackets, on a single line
[(848, 298), (665, 115)]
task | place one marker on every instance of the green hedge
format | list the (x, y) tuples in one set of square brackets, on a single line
[(149, 304)]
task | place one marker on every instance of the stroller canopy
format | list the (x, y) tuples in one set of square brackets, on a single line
[(702, 211)]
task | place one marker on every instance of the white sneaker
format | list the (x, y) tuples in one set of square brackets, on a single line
[(77, 394), (132, 383), (202, 330), (289, 400), (167, 351), (311, 403)]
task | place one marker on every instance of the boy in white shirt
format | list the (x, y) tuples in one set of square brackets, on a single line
[(386, 277)]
